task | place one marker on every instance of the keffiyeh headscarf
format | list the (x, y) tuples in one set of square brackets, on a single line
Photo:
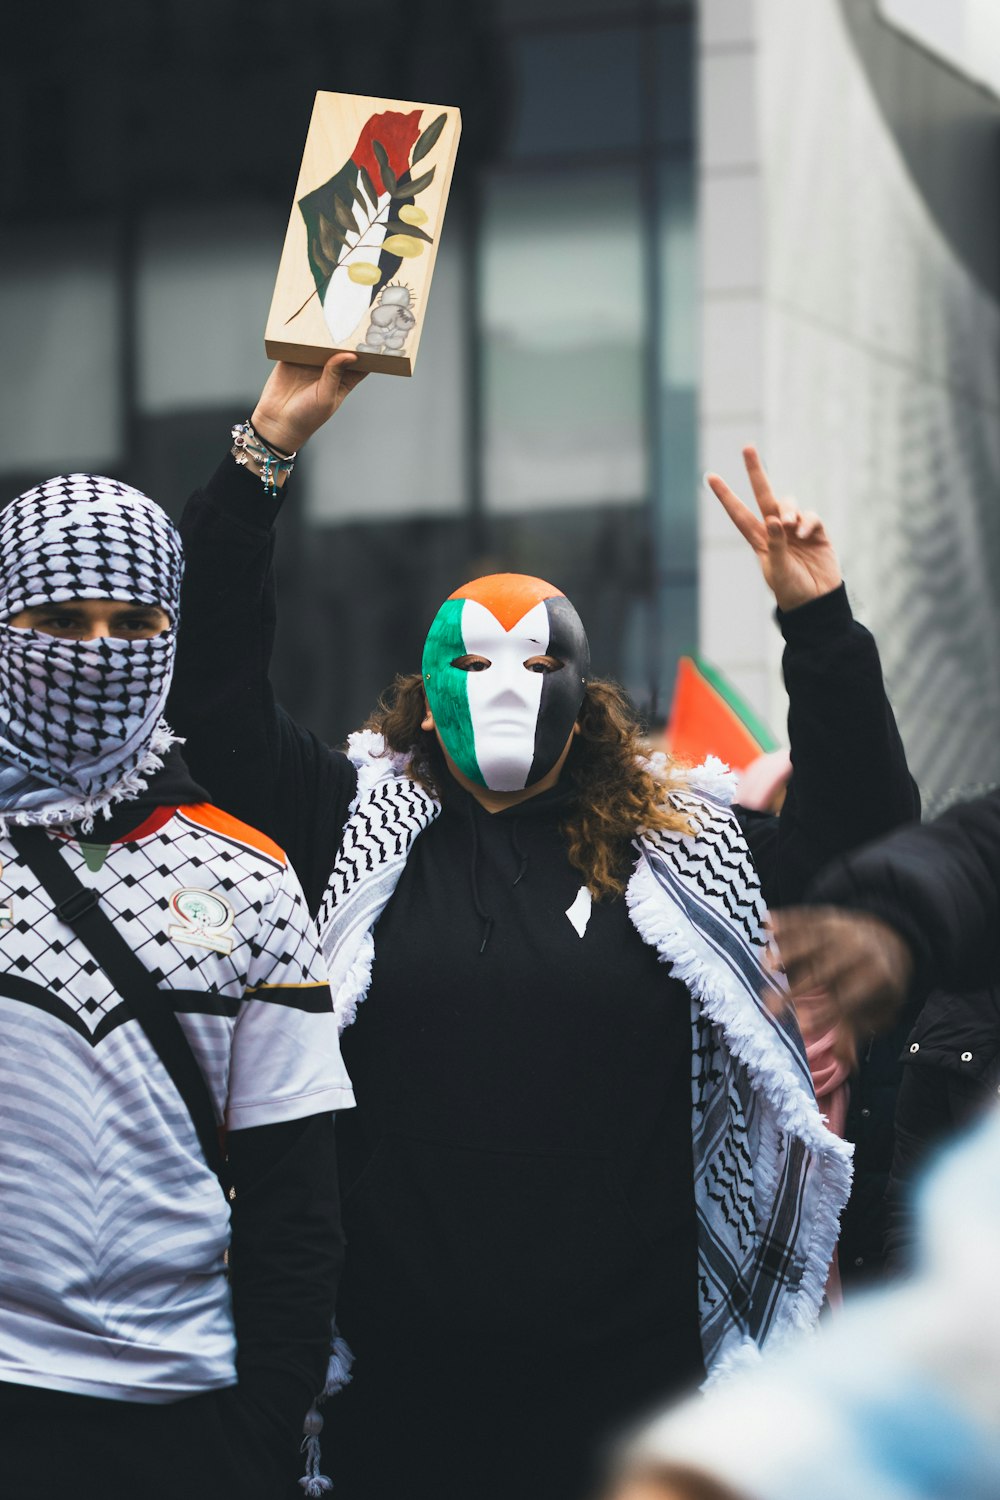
[(81, 724)]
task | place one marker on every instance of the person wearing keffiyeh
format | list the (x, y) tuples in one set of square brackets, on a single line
[(154, 1338), (81, 714), (587, 1166)]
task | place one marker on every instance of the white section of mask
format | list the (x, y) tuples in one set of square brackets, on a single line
[(505, 697), (579, 912)]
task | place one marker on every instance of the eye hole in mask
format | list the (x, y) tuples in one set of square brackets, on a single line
[(543, 664)]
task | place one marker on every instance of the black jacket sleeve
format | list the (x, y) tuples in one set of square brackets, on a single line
[(939, 886), (850, 782), (255, 762), (285, 1257)]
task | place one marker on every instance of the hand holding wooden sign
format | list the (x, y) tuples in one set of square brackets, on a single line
[(358, 256)]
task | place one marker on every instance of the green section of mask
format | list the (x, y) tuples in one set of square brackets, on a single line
[(447, 688)]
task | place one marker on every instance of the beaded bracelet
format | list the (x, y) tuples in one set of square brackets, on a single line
[(265, 444), (248, 443)]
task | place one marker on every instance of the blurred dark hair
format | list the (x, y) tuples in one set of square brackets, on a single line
[(616, 794)]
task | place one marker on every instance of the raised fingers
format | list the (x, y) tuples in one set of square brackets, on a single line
[(810, 528), (759, 482), (741, 515)]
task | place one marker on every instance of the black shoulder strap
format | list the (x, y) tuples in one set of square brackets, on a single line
[(77, 905)]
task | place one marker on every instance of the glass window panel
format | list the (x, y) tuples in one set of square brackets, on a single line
[(575, 91), (398, 447), (675, 520), (547, 10), (60, 318), (563, 334), (677, 486), (205, 284), (674, 92)]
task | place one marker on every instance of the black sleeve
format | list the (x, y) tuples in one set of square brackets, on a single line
[(939, 886), (850, 782), (285, 1258), (256, 763)]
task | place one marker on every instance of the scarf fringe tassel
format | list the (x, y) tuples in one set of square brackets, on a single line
[(750, 1039), (84, 810), (314, 1483)]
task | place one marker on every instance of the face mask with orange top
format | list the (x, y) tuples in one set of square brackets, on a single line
[(505, 665)]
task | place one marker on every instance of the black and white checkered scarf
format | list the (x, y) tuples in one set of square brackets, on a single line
[(81, 724), (770, 1179)]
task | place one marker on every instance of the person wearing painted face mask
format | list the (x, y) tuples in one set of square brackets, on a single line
[(125, 1348), (505, 669), (539, 944)]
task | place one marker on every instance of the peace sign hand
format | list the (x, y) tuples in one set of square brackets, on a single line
[(796, 557)]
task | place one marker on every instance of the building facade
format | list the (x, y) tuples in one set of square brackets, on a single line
[(674, 228), (850, 272)]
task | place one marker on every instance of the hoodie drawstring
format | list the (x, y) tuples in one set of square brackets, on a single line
[(515, 843), (481, 911)]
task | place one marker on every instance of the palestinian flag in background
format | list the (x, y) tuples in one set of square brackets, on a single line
[(361, 223), (709, 717)]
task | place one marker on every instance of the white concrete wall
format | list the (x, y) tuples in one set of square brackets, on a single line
[(736, 631), (842, 331)]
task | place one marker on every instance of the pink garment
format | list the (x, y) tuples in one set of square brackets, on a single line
[(831, 1081)]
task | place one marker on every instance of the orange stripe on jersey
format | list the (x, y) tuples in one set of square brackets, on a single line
[(217, 821), (508, 596)]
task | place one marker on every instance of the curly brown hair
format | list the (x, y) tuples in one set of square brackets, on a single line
[(616, 794)]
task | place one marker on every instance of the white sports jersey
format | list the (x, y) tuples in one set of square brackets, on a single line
[(113, 1229)]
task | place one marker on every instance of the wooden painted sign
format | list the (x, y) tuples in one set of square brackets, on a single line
[(356, 268)]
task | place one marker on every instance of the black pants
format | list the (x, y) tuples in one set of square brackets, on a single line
[(425, 1422), (207, 1447)]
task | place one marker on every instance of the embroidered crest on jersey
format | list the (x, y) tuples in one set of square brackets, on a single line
[(205, 919)]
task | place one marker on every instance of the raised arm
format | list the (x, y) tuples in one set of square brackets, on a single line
[(253, 759), (850, 780)]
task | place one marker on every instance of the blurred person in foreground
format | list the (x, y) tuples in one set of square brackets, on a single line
[(897, 1399), (587, 1167), (159, 980), (916, 909)]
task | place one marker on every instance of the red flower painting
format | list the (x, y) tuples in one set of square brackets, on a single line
[(397, 134)]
